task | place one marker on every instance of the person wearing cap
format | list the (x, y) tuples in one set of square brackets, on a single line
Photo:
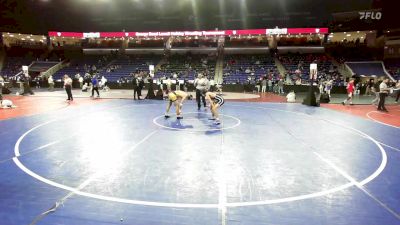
[(176, 97)]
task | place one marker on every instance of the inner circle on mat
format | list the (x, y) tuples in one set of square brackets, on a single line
[(165, 203), (197, 122)]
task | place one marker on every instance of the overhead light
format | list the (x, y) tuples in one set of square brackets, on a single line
[(358, 32), (348, 35), (11, 35)]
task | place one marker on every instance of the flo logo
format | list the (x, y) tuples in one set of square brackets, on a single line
[(370, 15)]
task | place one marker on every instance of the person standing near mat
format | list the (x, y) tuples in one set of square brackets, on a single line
[(50, 81), (383, 92), (350, 92), (27, 85), (68, 87), (176, 97), (135, 82), (375, 91), (201, 84), (215, 102), (397, 88), (95, 86)]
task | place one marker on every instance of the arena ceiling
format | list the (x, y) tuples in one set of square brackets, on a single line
[(40, 16)]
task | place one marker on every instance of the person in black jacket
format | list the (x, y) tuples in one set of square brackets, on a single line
[(150, 92), (141, 85), (135, 82), (27, 87)]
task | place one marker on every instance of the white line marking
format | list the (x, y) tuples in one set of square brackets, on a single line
[(222, 186), (222, 199), (47, 145), (189, 205), (377, 121), (16, 150), (357, 184), (396, 149)]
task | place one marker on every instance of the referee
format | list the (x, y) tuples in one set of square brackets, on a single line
[(383, 92), (202, 85)]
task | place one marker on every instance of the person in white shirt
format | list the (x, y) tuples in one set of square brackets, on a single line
[(103, 82), (80, 82), (1, 85), (291, 97), (51, 83), (202, 85), (6, 104), (68, 87), (383, 92), (168, 82)]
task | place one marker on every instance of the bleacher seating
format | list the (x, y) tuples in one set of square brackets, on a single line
[(393, 67), (82, 66), (13, 65), (239, 68), (187, 66), (41, 66), (367, 68), (124, 66), (298, 67)]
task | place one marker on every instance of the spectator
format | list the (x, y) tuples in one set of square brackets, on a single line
[(141, 85), (368, 87), (270, 85), (398, 91), (263, 85), (280, 86), (68, 87), (291, 97), (350, 92), (80, 80), (328, 87), (258, 85), (135, 83), (51, 83), (26, 84), (95, 87), (1, 86)]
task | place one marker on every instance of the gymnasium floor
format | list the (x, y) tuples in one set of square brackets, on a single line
[(120, 162)]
